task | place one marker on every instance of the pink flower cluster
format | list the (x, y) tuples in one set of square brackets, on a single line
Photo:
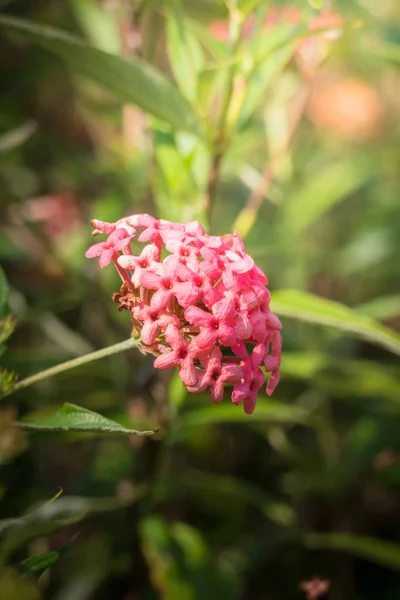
[(197, 302)]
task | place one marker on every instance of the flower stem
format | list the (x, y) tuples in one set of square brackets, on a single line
[(76, 362), (221, 141)]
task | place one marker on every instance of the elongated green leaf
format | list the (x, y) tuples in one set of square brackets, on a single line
[(75, 418), (185, 55), (379, 551), (8, 380), (217, 49), (313, 309), (53, 516), (36, 565), (262, 78), (344, 378), (324, 190), (384, 307), (99, 24), (7, 327), (267, 411), (129, 81)]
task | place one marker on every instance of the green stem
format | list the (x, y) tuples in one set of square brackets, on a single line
[(221, 141), (76, 362)]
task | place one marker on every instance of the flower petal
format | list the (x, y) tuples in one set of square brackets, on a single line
[(217, 390), (166, 361), (160, 299), (242, 326), (95, 250), (150, 280), (149, 332), (127, 262), (106, 257), (188, 372), (273, 382), (205, 339), (249, 403), (197, 316)]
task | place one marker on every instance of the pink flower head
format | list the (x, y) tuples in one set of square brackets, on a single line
[(182, 354), (116, 241), (197, 302), (140, 264)]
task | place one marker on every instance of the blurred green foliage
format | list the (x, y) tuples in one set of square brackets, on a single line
[(251, 115)]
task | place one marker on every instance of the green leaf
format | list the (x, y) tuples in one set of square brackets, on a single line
[(217, 49), (344, 378), (325, 189), (268, 411), (313, 309), (266, 46), (379, 551), (261, 79), (7, 328), (185, 55), (36, 565), (8, 379), (384, 307), (130, 81), (4, 294), (52, 516), (99, 24), (75, 418)]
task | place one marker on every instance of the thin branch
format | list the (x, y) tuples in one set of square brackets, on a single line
[(76, 362), (221, 141)]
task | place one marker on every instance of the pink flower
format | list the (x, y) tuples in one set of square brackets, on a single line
[(184, 251), (216, 375), (154, 322), (117, 240), (102, 227), (163, 280), (194, 285), (138, 221), (140, 264), (182, 354), (247, 390), (159, 232), (212, 328)]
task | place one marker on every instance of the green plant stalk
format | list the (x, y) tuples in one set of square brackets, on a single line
[(221, 140), (76, 362)]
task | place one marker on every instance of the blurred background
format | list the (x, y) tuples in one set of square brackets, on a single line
[(279, 120)]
